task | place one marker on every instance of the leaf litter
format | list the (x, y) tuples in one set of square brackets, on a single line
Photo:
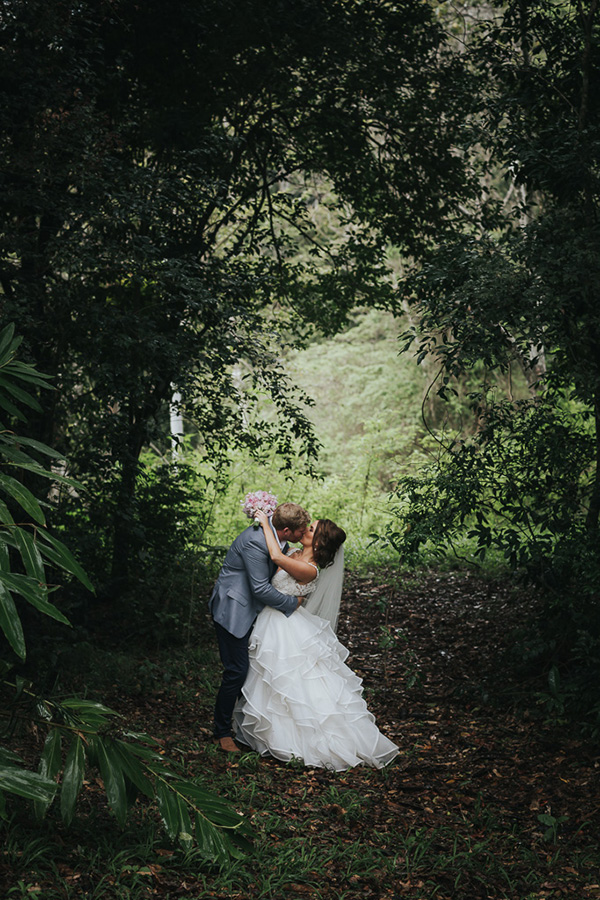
[(488, 800)]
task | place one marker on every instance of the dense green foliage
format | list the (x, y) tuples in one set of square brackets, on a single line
[(79, 733), (196, 199), (164, 219), (517, 283)]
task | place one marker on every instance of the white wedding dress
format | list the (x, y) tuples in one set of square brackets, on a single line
[(300, 700)]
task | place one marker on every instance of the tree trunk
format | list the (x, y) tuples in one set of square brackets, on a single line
[(124, 517), (593, 515)]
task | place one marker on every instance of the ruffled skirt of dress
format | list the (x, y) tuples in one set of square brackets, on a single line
[(301, 701)]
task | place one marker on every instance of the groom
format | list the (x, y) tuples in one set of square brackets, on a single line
[(242, 589)]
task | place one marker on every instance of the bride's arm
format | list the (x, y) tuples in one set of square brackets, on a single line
[(303, 572)]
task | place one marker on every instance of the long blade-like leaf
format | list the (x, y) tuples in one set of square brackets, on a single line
[(10, 407), (32, 560), (8, 343), (211, 842), (17, 369), (23, 496), (42, 448), (10, 623), (72, 779), (19, 394), (50, 763), (168, 809), (63, 557), (132, 769), (6, 519), (4, 557), (27, 784), (9, 757), (215, 809), (35, 594), (112, 775)]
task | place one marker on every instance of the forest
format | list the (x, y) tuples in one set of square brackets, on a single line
[(346, 251)]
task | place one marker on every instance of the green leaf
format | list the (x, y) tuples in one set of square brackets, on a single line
[(62, 557), (23, 496), (17, 369), (27, 784), (9, 757), (42, 448), (81, 706), (72, 779), (12, 454), (218, 811), (554, 680), (19, 394), (10, 621), (6, 404), (132, 769), (6, 519), (112, 775), (35, 593), (168, 809), (211, 842), (174, 812), (32, 466), (8, 343), (50, 764), (32, 560)]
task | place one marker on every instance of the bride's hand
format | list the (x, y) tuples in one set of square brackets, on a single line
[(261, 517)]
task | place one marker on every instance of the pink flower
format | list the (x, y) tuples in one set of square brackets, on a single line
[(256, 500)]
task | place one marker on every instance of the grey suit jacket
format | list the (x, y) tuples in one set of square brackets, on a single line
[(244, 587)]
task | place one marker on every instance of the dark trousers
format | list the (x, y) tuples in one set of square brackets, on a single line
[(234, 656)]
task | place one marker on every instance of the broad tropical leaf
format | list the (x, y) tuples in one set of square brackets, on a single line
[(72, 779), (42, 448), (174, 813), (27, 784), (23, 496), (112, 775), (30, 554), (9, 344), (10, 407), (210, 841), (9, 757), (132, 768), (35, 594), (19, 394), (10, 621), (213, 808), (50, 765), (62, 557)]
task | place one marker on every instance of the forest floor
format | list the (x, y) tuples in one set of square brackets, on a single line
[(488, 800)]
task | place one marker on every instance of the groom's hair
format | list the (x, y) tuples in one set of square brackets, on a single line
[(290, 515)]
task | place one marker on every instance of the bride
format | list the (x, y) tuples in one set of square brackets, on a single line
[(299, 699)]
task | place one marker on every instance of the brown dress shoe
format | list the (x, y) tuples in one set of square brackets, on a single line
[(227, 744)]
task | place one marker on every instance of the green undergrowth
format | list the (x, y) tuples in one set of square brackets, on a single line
[(315, 834)]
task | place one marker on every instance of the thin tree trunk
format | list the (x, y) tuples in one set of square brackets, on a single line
[(593, 515), (124, 517)]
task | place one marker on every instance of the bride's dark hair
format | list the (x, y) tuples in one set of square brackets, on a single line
[(327, 540)]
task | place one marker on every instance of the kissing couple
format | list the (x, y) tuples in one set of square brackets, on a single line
[(286, 690)]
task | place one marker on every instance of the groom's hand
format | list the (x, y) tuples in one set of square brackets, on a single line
[(299, 602)]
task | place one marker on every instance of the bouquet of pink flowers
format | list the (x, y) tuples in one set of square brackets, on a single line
[(256, 500)]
